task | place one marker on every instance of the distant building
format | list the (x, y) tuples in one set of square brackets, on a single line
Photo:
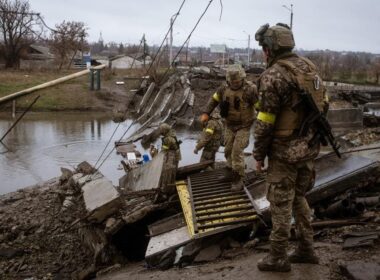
[(37, 57), (124, 62)]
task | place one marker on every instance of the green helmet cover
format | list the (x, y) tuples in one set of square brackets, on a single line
[(276, 37), (235, 72)]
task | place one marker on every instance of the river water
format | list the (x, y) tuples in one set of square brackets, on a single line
[(42, 143)]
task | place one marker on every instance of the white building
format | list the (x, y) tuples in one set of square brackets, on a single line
[(124, 62)]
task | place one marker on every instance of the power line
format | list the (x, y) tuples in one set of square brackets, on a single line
[(31, 14), (133, 122), (188, 37)]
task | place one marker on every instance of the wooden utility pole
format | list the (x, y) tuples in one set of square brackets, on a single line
[(144, 52)]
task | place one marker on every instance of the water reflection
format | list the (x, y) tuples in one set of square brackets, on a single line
[(42, 143)]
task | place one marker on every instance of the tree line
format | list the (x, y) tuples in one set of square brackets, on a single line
[(20, 27)]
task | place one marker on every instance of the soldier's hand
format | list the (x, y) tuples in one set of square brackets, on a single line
[(204, 117), (195, 151), (259, 166)]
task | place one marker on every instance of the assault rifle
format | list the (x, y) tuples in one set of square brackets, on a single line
[(317, 119)]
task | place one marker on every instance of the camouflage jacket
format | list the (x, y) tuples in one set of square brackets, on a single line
[(275, 94), (170, 143), (247, 96), (211, 137)]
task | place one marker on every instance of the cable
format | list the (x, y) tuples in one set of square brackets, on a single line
[(221, 10), (31, 14), (188, 38), (150, 66)]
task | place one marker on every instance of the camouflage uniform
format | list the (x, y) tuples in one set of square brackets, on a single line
[(170, 142), (210, 140), (240, 117), (170, 146), (290, 158)]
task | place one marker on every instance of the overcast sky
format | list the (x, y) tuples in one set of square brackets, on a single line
[(342, 25)]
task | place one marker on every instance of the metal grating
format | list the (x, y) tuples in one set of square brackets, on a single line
[(210, 206)]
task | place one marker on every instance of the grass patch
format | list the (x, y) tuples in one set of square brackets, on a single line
[(70, 95)]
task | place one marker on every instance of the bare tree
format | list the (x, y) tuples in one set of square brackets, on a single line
[(376, 69), (67, 40), (17, 24)]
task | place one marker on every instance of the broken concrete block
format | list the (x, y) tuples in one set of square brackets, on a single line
[(101, 199), (66, 174), (146, 177), (345, 118), (190, 251), (209, 254), (73, 181), (159, 244), (361, 241), (113, 225), (85, 168), (87, 178), (360, 270), (67, 203)]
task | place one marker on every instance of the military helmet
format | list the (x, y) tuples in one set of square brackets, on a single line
[(164, 128), (215, 114), (235, 72), (276, 37)]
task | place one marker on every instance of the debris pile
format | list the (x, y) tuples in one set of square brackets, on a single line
[(80, 225), (362, 137), (33, 239)]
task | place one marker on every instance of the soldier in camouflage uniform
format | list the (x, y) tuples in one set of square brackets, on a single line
[(170, 142), (171, 148), (236, 100), (290, 155), (210, 139)]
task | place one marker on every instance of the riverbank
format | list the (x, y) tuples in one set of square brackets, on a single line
[(73, 95)]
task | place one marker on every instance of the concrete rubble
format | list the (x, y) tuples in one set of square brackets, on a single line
[(80, 225)]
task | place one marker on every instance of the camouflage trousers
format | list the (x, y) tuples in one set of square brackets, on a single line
[(287, 185), (235, 143), (209, 154), (169, 171)]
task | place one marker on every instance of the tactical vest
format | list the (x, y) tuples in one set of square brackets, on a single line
[(240, 110), (292, 115)]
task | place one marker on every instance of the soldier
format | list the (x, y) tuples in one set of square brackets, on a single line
[(210, 139), (236, 99), (171, 148), (170, 144), (290, 153)]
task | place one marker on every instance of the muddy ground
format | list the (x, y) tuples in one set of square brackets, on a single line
[(38, 242)]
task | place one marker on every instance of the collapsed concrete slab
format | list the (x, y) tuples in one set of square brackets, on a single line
[(168, 240), (146, 177), (345, 118), (334, 176), (359, 270), (101, 199)]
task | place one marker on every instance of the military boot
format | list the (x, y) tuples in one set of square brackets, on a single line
[(274, 263), (303, 255), (226, 175), (237, 182)]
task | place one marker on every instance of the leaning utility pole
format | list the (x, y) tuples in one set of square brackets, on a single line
[(171, 43), (291, 14), (144, 48), (249, 44)]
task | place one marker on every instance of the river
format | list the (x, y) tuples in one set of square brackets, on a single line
[(42, 143)]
